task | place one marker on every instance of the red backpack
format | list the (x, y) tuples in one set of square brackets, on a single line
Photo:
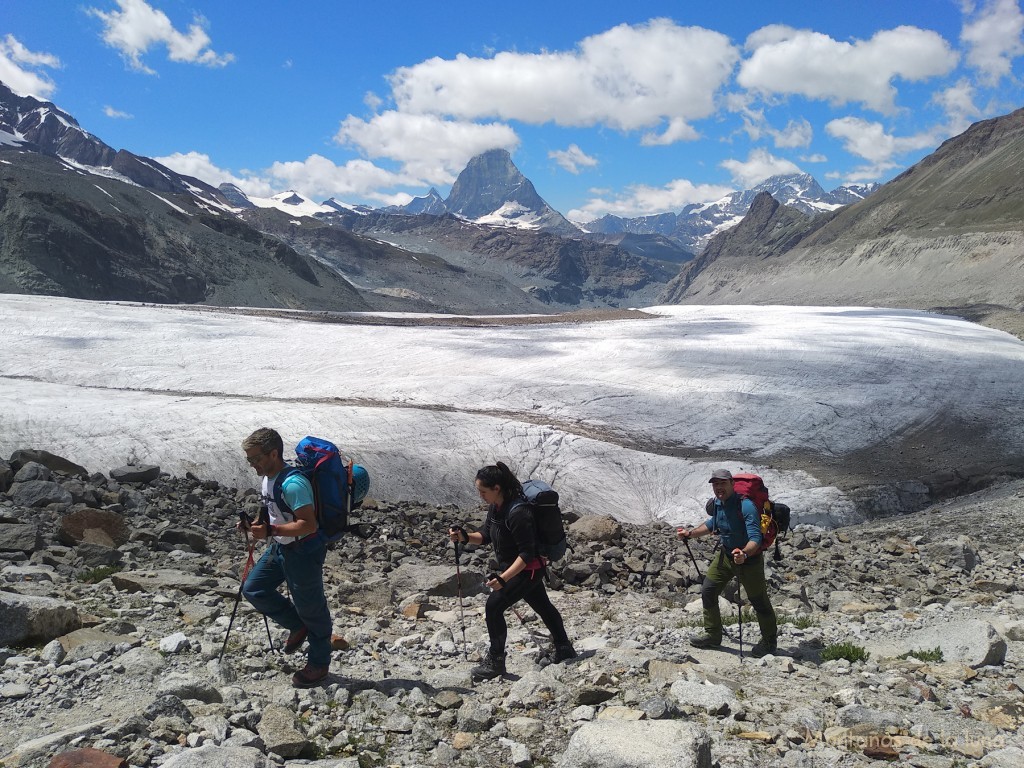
[(775, 517)]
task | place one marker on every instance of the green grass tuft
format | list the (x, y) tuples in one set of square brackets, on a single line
[(847, 651), (935, 654), (97, 575)]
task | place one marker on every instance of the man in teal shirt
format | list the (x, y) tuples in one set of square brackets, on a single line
[(296, 552), (737, 523)]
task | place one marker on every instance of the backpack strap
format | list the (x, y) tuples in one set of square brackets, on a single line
[(278, 491), (738, 516), (522, 501)]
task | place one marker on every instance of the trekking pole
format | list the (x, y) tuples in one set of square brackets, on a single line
[(686, 541), (537, 638), (250, 561), (739, 608), (462, 610)]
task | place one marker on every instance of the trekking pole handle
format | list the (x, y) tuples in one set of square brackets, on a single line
[(463, 536), (737, 553)]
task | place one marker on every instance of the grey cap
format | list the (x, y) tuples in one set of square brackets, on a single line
[(720, 474)]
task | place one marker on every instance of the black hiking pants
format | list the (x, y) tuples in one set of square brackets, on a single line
[(528, 586)]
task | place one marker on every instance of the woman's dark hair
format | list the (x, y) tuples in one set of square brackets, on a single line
[(498, 475)]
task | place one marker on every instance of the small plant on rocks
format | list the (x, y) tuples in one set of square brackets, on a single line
[(847, 651), (96, 575), (935, 654)]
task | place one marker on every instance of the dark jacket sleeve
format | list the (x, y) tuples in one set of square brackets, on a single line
[(524, 532), (485, 530)]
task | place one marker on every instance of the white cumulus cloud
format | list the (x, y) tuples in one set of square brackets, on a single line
[(628, 77), (797, 133), (429, 147), (20, 69), (117, 114), (137, 27), (642, 200), (318, 177), (957, 102), (759, 165), (789, 61), (572, 158), (200, 166), (870, 140), (994, 37)]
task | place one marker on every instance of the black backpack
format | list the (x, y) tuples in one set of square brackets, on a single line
[(547, 517)]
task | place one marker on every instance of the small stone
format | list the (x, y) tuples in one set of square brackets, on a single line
[(463, 740)]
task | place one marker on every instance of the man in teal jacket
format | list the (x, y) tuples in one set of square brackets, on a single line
[(738, 525)]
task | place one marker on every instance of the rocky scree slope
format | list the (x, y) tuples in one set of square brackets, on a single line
[(123, 660)]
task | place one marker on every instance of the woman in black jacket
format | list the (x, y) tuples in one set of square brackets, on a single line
[(511, 529)]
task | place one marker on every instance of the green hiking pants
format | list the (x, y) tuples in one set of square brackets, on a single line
[(751, 574)]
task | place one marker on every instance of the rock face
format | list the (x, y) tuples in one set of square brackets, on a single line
[(932, 599), (768, 229), (26, 618)]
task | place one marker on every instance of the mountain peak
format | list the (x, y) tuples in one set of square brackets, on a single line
[(492, 190)]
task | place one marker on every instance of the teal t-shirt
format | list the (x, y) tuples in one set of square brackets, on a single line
[(297, 491)]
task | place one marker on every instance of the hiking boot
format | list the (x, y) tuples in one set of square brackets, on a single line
[(492, 666), (310, 676), (704, 640), (763, 648), (564, 652), (295, 639)]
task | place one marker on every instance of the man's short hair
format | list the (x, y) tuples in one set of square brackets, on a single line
[(266, 439)]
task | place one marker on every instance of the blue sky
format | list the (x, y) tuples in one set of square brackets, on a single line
[(606, 108)]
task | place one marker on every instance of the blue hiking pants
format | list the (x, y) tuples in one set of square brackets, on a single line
[(301, 565)]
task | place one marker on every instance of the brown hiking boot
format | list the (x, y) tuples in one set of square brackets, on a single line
[(295, 639), (310, 676)]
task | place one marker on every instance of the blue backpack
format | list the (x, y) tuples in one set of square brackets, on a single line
[(339, 486)]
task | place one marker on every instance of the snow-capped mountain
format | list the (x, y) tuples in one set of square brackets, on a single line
[(291, 202), (431, 204), (695, 225), (492, 191), (41, 126), (342, 207)]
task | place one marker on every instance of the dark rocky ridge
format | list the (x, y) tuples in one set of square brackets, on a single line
[(64, 232), (549, 271), (53, 132)]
